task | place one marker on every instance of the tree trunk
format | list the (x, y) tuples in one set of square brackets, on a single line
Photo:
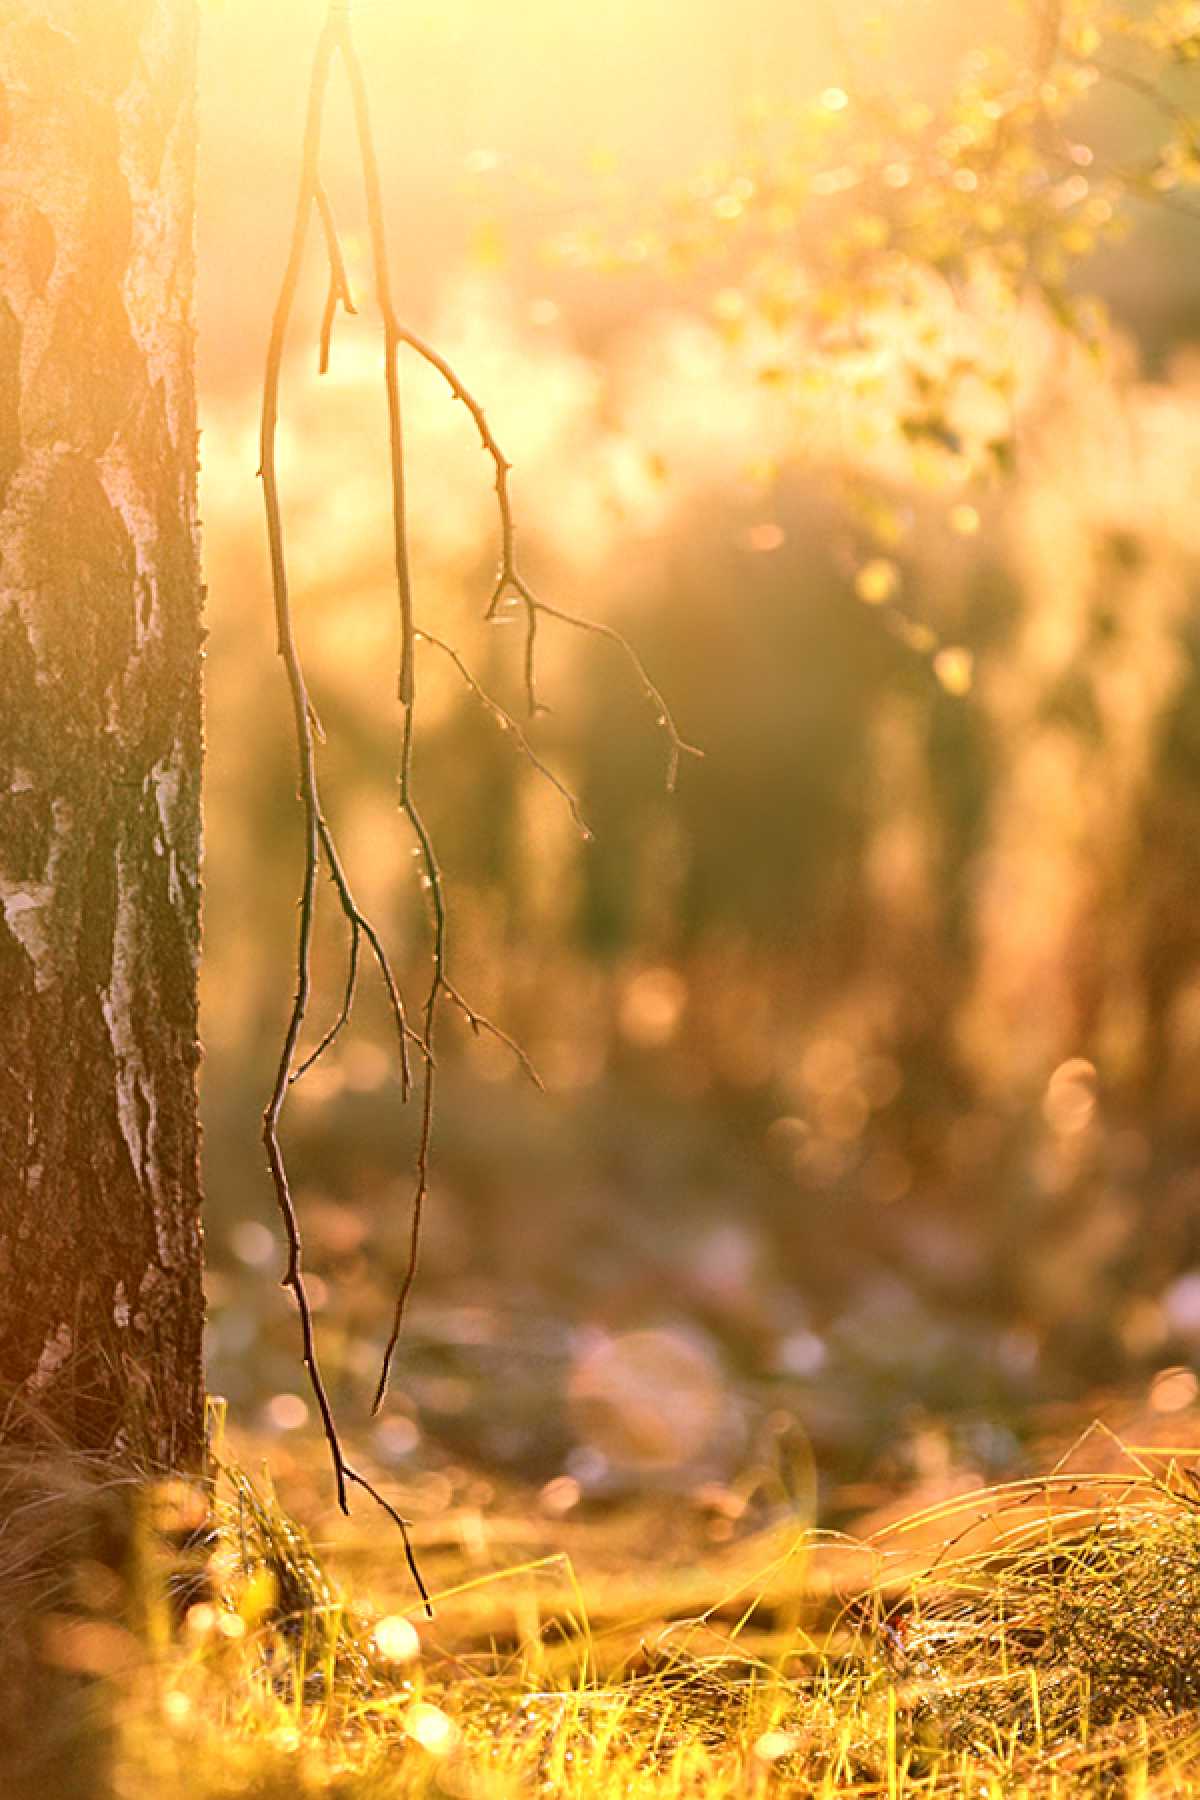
[(101, 1306)]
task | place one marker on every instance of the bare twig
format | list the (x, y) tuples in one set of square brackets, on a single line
[(361, 926), (440, 986), (304, 737), (507, 576), (484, 1027), (506, 722), (315, 1055), (510, 581), (677, 745), (336, 39), (391, 337), (317, 835), (339, 286), (406, 686)]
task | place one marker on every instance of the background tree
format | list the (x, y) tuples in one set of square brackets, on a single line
[(860, 254), (101, 1306), (843, 473)]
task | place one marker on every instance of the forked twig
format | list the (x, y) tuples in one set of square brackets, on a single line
[(360, 927), (510, 581), (339, 287), (506, 722), (678, 746)]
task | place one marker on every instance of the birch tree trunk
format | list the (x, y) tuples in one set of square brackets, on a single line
[(101, 1307)]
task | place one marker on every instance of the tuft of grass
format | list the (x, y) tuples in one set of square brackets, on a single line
[(1041, 1638)]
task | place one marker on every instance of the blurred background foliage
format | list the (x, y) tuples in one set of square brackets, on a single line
[(873, 1052)]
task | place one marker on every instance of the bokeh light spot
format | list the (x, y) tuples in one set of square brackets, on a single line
[(1173, 1390), (651, 1007), (286, 1412), (647, 1399), (955, 669), (396, 1639), (1069, 1102), (877, 581), (430, 1727)]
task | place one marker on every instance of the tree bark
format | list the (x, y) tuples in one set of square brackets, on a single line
[(101, 1305)]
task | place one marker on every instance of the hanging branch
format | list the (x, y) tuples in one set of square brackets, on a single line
[(440, 985), (319, 844), (317, 836), (510, 581), (406, 685)]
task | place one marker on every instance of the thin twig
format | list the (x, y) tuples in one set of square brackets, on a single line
[(293, 1277), (507, 576), (315, 1055), (339, 286), (317, 835), (336, 37), (678, 745), (361, 926), (440, 984), (509, 579), (506, 722), (481, 1025), (406, 686), (437, 986), (373, 195), (398, 1519)]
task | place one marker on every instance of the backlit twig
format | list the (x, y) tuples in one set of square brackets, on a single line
[(506, 722), (317, 835)]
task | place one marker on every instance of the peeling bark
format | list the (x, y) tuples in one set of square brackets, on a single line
[(101, 1308)]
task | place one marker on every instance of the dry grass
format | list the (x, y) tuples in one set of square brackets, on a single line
[(1038, 1638)]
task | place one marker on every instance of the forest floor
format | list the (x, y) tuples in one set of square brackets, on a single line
[(1042, 1637)]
